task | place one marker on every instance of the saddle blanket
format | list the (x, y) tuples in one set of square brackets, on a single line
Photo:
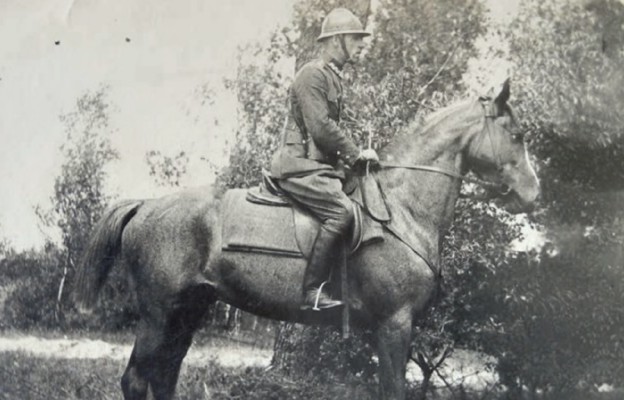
[(284, 230)]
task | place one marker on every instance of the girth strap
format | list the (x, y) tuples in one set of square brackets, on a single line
[(437, 271)]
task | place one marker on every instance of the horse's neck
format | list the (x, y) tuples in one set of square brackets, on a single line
[(429, 197)]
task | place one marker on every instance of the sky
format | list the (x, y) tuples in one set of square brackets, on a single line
[(154, 81), (153, 55)]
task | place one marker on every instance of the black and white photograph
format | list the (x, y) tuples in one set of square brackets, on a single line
[(312, 200)]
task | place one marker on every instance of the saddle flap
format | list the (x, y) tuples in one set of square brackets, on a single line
[(248, 226), (287, 231)]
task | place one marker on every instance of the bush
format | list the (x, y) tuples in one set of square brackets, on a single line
[(320, 352), (31, 282)]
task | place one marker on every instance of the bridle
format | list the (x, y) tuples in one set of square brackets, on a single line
[(500, 188)]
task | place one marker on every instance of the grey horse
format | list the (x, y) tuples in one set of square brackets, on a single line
[(172, 248)]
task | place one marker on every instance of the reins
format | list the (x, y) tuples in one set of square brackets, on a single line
[(501, 188), (488, 185)]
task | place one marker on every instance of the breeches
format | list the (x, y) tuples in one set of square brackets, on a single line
[(322, 194)]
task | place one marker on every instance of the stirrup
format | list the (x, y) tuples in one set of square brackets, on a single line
[(315, 307)]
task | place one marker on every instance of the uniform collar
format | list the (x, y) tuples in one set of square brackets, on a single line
[(334, 66)]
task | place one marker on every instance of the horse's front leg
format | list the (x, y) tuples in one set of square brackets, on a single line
[(393, 343)]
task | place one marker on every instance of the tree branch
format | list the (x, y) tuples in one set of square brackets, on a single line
[(435, 76)]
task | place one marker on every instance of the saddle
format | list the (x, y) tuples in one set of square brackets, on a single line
[(265, 220)]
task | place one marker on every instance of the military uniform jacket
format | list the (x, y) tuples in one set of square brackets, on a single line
[(312, 140)]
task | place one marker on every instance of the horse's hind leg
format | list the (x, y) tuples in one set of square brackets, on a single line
[(163, 338)]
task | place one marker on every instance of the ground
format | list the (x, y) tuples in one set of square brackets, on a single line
[(464, 367), (230, 355)]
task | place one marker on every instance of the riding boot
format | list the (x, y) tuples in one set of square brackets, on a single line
[(328, 252)]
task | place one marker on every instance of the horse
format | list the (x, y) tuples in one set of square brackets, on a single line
[(172, 248)]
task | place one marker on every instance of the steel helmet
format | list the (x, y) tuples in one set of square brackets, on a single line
[(341, 21)]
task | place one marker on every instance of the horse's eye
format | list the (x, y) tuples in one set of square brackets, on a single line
[(517, 137)]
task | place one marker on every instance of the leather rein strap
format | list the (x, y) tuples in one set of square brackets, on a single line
[(498, 187), (488, 185)]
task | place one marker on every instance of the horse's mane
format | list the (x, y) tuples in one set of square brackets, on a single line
[(419, 129), (447, 114)]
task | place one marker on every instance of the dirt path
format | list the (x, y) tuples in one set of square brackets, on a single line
[(463, 367), (226, 355)]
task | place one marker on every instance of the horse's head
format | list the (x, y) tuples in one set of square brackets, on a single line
[(498, 154)]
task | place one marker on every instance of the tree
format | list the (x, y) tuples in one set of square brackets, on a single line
[(260, 88), (30, 281), (167, 170), (557, 321), (418, 54), (79, 197), (5, 245), (570, 86)]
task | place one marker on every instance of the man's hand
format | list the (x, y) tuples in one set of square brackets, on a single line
[(369, 155)]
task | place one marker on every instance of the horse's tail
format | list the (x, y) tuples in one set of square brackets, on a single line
[(101, 252)]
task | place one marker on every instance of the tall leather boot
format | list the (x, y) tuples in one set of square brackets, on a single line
[(328, 251)]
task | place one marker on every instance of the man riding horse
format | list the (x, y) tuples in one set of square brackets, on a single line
[(310, 163)]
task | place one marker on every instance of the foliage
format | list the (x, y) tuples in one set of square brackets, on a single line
[(379, 96), (565, 89), (167, 170), (40, 280), (561, 309), (570, 85), (430, 42), (31, 378), (556, 319), (5, 245), (79, 198), (416, 58), (304, 351), (25, 377), (261, 91), (306, 23), (258, 384), (548, 320), (30, 281)]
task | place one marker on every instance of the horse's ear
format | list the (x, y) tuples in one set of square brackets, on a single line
[(502, 96)]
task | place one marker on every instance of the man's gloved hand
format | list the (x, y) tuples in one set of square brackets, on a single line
[(369, 155), (367, 160)]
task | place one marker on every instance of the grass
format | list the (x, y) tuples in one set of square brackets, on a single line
[(25, 377)]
